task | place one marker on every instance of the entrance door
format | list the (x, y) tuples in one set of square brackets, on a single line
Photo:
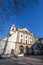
[(27, 50), (21, 48), (12, 51)]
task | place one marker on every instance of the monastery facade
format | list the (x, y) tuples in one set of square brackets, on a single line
[(17, 42)]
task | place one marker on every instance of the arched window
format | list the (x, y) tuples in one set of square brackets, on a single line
[(21, 40), (12, 29), (30, 42), (21, 35), (26, 41), (26, 36)]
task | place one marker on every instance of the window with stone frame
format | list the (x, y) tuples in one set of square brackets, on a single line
[(21, 35), (21, 40), (26, 37), (30, 37), (26, 41), (30, 42)]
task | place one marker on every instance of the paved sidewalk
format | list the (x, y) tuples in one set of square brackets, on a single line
[(30, 60)]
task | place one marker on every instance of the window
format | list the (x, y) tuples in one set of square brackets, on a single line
[(21, 40), (21, 35), (30, 37), (26, 36), (26, 41), (12, 29), (30, 42)]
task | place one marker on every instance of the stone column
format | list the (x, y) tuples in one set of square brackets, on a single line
[(17, 49)]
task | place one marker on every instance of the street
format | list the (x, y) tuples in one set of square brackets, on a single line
[(22, 61)]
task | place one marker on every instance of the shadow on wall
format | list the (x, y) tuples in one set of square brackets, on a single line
[(36, 48)]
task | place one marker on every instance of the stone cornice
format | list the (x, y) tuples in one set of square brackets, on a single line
[(25, 32)]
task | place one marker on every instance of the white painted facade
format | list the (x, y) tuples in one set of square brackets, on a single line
[(11, 43), (2, 44), (12, 39), (25, 37)]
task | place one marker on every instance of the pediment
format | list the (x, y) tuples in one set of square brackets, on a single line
[(25, 29)]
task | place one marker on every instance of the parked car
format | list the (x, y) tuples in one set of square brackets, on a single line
[(3, 56), (20, 55), (0, 56)]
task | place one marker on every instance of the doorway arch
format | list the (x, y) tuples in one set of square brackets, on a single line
[(21, 49), (27, 50)]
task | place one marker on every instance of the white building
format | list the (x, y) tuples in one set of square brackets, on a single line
[(17, 41)]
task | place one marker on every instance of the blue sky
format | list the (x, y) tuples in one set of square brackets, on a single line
[(31, 19)]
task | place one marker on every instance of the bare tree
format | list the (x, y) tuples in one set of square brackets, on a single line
[(10, 7)]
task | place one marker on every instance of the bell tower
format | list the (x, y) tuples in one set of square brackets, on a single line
[(12, 29)]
